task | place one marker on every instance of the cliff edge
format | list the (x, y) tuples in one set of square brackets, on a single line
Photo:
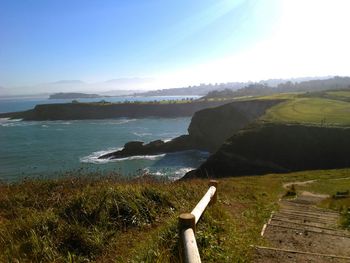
[(278, 148), (208, 129)]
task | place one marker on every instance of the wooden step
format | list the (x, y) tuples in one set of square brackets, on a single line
[(307, 241), (277, 255), (317, 218), (308, 208), (309, 226), (309, 229), (300, 211), (305, 206), (302, 220)]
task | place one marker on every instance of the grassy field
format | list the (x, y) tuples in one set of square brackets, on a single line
[(106, 220), (344, 94), (316, 111)]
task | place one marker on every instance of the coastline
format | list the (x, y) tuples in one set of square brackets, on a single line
[(85, 111)]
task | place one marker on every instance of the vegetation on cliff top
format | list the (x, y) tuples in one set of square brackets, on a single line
[(263, 89), (105, 219), (317, 110)]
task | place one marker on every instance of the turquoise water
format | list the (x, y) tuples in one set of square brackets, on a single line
[(51, 148)]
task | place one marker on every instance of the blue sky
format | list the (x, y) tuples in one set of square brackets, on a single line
[(172, 42)]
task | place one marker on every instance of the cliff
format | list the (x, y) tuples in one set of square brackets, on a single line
[(80, 111), (276, 148), (74, 95), (209, 128)]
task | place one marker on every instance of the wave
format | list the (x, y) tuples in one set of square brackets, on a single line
[(7, 122), (142, 134), (170, 175), (114, 122), (139, 157), (158, 173), (181, 172), (93, 157)]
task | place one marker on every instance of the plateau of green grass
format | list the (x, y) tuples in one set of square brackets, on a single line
[(342, 94), (315, 111), (108, 220)]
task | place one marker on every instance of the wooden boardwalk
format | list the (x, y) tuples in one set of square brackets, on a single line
[(301, 232)]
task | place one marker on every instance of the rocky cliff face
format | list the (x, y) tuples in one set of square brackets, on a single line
[(83, 111), (208, 130), (274, 148)]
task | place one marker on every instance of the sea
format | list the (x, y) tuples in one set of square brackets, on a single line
[(50, 149)]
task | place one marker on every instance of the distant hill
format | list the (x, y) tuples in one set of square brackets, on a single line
[(259, 89), (73, 95), (201, 89), (204, 89)]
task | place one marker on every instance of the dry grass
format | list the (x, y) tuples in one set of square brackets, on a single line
[(108, 220)]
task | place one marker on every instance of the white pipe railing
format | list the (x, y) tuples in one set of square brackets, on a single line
[(203, 203), (190, 249), (187, 225)]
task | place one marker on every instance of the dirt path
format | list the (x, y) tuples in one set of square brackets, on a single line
[(287, 185), (301, 232)]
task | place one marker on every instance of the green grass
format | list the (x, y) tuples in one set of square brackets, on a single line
[(282, 96), (341, 94), (108, 220), (327, 182), (316, 111)]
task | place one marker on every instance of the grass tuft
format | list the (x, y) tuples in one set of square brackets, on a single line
[(106, 220)]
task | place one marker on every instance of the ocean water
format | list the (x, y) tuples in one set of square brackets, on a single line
[(52, 148)]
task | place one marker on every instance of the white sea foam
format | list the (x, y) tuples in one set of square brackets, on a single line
[(139, 157), (6, 122), (181, 172), (175, 175), (113, 122), (158, 173), (142, 134), (93, 157), (118, 121)]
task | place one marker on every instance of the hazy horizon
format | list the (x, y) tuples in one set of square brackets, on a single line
[(113, 86), (117, 45)]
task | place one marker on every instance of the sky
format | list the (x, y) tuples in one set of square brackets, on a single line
[(153, 44)]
